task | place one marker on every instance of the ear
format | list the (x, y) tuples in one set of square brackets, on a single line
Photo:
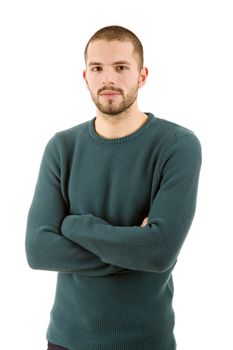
[(143, 76), (85, 78), (84, 74)]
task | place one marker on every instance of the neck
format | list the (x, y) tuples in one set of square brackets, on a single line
[(120, 125)]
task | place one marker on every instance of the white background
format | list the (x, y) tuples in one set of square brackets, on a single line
[(188, 50)]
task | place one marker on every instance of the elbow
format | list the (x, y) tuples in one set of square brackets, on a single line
[(32, 263), (32, 258), (163, 264), (35, 262), (164, 267), (33, 254), (165, 250)]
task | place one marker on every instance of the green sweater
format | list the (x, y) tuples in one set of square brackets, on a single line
[(114, 282)]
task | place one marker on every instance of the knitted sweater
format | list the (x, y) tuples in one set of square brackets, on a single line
[(114, 282)]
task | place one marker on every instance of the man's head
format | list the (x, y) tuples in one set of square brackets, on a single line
[(118, 33), (114, 69)]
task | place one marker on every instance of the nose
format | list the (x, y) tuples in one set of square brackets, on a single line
[(108, 77)]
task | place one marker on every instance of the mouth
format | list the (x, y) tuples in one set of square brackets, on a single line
[(110, 93)]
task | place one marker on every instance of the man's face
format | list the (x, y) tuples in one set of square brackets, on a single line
[(112, 75)]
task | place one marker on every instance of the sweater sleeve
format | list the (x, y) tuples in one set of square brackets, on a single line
[(154, 247), (46, 248)]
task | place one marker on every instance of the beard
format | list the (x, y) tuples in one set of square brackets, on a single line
[(112, 107)]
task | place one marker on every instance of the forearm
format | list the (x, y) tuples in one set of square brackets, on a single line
[(133, 247), (154, 247), (47, 250)]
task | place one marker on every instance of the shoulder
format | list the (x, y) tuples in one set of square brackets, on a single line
[(62, 144), (67, 139), (73, 132), (173, 128), (177, 142), (173, 132)]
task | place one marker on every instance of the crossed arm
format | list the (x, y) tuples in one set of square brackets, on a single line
[(153, 247), (46, 248), (88, 245)]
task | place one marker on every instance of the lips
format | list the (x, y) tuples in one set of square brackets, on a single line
[(109, 93)]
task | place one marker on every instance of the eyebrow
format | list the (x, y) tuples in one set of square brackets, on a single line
[(114, 63)]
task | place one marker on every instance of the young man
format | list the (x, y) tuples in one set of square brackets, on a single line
[(114, 201)]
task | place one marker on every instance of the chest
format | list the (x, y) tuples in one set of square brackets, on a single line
[(116, 185)]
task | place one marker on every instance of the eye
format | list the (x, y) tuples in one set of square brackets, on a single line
[(121, 68), (95, 69)]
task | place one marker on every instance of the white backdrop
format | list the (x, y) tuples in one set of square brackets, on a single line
[(189, 54)]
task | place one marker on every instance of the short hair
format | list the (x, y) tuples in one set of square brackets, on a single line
[(119, 33)]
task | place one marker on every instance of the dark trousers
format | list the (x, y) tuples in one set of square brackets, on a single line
[(55, 347)]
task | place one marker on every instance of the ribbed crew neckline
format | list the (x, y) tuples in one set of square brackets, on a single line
[(100, 139)]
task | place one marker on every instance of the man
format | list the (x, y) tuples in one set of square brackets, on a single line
[(114, 201)]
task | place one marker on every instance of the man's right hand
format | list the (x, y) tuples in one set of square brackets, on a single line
[(145, 221)]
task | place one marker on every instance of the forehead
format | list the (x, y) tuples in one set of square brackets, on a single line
[(108, 52)]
